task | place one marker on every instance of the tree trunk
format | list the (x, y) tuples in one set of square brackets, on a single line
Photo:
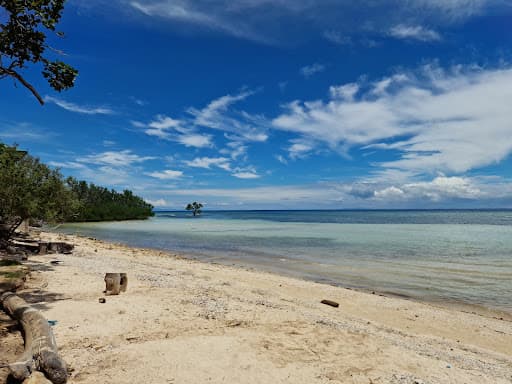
[(40, 346)]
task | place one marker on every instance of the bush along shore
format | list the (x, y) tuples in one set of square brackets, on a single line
[(31, 190)]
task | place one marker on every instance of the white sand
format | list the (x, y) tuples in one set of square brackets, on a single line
[(183, 321)]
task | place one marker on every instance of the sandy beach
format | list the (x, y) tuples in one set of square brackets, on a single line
[(183, 321)]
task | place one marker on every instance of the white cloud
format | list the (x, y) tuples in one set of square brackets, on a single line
[(167, 128), (246, 175), (72, 107), (414, 32), (313, 69), (158, 203), (195, 140), (242, 126), (208, 162), (236, 149), (439, 192), (281, 159), (447, 121), (300, 148), (167, 174), (116, 159), (163, 122), (439, 189)]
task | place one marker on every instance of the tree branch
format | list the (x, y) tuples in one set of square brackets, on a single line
[(27, 85)]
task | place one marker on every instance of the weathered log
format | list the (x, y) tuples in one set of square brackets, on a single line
[(113, 283), (37, 378), (59, 247), (41, 352)]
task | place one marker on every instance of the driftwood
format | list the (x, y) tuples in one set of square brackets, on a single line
[(116, 283), (37, 378), (54, 247), (40, 347), (331, 303)]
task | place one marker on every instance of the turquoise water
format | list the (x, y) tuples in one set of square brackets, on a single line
[(460, 256)]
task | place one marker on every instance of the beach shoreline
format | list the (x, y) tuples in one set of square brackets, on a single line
[(280, 270), (193, 321)]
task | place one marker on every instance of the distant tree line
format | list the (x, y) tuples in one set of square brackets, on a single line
[(30, 189), (101, 204)]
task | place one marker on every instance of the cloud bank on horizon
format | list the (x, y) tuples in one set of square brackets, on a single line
[(392, 104)]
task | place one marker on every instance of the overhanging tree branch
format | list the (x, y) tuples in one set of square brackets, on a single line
[(25, 83)]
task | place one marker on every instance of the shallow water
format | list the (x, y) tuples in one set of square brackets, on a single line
[(460, 256)]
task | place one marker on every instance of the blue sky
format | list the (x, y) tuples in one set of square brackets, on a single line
[(260, 104)]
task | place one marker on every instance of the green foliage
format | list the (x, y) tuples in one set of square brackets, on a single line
[(32, 190), (23, 41), (195, 207), (101, 204)]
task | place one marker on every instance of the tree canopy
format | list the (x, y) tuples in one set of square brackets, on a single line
[(30, 189), (100, 204), (195, 207), (24, 26)]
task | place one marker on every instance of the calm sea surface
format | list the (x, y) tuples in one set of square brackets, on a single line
[(459, 256)]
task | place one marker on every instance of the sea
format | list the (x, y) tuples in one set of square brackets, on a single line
[(440, 256)]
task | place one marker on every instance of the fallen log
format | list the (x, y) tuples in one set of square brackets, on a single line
[(41, 352), (331, 303)]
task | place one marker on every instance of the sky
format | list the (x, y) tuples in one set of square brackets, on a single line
[(282, 104)]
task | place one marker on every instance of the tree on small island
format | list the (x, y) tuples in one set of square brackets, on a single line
[(195, 207)]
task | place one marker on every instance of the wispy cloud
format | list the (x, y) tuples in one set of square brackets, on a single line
[(271, 21), (167, 174), (67, 164), (208, 162), (112, 158), (238, 126), (24, 131), (414, 32), (246, 175), (313, 69), (337, 37), (197, 14), (219, 115), (167, 128), (84, 109)]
